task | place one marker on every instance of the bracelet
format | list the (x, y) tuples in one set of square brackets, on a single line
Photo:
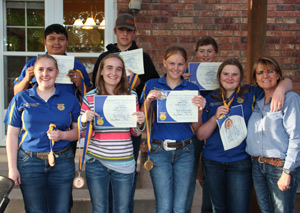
[(141, 130)]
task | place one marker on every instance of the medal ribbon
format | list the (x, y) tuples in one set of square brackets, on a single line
[(133, 80), (229, 103), (51, 128), (148, 129), (83, 87), (88, 135)]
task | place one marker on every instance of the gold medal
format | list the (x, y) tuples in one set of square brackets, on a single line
[(228, 123), (148, 165), (78, 182), (51, 158)]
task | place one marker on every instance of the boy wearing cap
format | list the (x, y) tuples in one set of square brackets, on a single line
[(125, 30)]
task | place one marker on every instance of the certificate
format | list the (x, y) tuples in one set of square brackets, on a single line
[(177, 107), (204, 74), (133, 60), (65, 63), (115, 111), (232, 127)]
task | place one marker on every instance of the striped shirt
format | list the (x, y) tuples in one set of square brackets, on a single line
[(112, 146)]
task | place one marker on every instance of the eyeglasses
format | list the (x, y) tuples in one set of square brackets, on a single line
[(269, 72)]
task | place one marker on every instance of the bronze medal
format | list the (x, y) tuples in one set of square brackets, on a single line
[(148, 165), (51, 158), (78, 182), (228, 123)]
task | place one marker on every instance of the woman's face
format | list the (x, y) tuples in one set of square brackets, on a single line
[(45, 72), (112, 71), (175, 66), (230, 78), (266, 77), (206, 53)]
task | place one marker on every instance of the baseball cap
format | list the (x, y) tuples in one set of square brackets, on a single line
[(125, 20)]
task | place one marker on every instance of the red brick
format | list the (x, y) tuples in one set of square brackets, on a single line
[(286, 7), (231, 13), (183, 20), (182, 6), (206, 20), (231, 7), (209, 13), (226, 20), (161, 7)]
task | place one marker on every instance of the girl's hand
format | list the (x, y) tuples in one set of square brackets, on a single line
[(15, 176), (55, 135), (186, 76), (199, 101), (222, 110), (88, 116), (140, 117), (153, 94)]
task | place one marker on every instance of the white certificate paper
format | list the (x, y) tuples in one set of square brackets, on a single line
[(134, 60), (236, 134), (204, 74), (115, 111), (65, 63), (177, 107)]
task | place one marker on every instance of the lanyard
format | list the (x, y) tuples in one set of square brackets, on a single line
[(52, 142), (148, 165), (83, 87), (133, 80), (231, 100), (88, 135)]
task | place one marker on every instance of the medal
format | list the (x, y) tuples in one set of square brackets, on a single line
[(148, 165), (51, 158), (228, 123), (78, 182)]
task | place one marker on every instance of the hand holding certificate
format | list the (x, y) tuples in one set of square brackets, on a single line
[(232, 126), (177, 106), (115, 111)]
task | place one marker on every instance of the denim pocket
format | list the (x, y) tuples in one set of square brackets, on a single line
[(155, 148), (22, 156), (91, 160), (189, 148)]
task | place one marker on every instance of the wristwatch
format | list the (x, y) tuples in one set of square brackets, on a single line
[(287, 171)]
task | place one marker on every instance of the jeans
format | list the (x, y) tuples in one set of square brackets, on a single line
[(206, 202), (98, 178), (171, 175), (45, 188), (229, 184), (269, 197)]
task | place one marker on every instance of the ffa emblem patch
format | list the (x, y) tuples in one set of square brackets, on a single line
[(162, 116), (100, 121), (60, 107), (240, 100)]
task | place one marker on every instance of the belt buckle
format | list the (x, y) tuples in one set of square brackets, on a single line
[(42, 156), (260, 160), (165, 144)]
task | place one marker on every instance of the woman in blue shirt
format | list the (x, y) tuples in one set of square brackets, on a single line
[(172, 151), (40, 158), (228, 171), (274, 142)]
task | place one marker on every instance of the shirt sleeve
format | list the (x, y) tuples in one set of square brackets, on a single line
[(13, 114), (291, 124), (30, 63)]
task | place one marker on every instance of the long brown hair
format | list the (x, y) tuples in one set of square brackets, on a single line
[(221, 90), (122, 87)]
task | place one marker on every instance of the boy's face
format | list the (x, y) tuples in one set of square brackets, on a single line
[(56, 44), (124, 37), (206, 53)]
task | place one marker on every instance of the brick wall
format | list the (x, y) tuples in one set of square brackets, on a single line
[(163, 23)]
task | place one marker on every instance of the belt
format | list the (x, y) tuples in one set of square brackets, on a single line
[(44, 155), (170, 145), (272, 161)]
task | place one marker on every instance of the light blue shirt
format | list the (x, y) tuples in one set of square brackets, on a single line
[(276, 134)]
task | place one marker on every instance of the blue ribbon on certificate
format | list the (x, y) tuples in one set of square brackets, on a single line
[(100, 121)]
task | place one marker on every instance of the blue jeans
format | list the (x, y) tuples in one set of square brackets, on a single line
[(45, 188), (229, 184), (206, 202), (98, 178), (269, 197), (171, 175)]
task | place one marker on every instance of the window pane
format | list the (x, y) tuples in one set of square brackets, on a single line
[(15, 39), (13, 66), (35, 40), (15, 14), (35, 14), (84, 40)]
